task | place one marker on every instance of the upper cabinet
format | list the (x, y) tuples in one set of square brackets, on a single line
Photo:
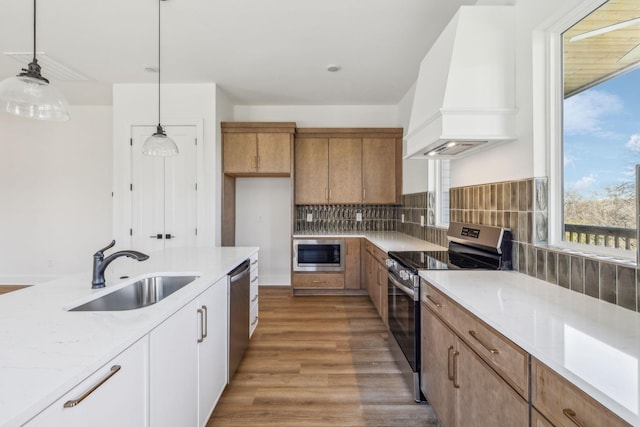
[(348, 166), (257, 149)]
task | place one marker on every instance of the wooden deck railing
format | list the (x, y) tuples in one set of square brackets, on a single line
[(612, 237)]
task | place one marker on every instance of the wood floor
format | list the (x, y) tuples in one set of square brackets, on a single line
[(318, 361)]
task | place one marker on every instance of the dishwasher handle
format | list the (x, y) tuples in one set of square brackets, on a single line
[(239, 272)]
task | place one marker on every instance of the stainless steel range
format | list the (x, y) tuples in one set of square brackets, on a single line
[(471, 246)]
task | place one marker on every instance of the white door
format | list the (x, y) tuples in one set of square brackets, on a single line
[(164, 191)]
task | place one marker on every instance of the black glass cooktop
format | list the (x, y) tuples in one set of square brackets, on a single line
[(423, 260), (460, 259)]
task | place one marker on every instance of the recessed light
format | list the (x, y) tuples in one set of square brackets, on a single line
[(333, 68)]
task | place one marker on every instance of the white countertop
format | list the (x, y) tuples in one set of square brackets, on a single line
[(385, 240), (45, 350), (593, 344)]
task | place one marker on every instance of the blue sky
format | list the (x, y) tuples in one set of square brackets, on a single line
[(602, 135)]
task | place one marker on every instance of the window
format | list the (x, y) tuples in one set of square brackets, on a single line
[(601, 129)]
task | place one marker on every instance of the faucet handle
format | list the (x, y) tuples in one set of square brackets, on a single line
[(109, 246)]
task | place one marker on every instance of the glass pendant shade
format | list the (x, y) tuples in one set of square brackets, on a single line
[(159, 144), (31, 97)]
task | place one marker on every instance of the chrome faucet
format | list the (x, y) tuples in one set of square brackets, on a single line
[(100, 263)]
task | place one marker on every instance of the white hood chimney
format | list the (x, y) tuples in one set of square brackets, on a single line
[(465, 92)]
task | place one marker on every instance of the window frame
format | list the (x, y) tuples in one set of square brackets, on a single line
[(550, 74)]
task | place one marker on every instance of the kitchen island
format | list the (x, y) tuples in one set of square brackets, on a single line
[(47, 350)]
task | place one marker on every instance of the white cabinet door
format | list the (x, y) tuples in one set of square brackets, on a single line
[(213, 350), (119, 398), (173, 362), (163, 192), (253, 304)]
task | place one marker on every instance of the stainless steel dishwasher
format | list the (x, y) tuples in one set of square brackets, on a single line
[(239, 295)]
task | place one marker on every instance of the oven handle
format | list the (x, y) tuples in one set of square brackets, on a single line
[(407, 290)]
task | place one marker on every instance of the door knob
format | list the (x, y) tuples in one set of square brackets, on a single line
[(169, 236)]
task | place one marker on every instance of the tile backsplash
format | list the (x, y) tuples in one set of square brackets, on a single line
[(522, 206), (519, 205), (344, 218)]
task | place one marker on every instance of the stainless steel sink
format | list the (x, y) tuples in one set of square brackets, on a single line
[(138, 294)]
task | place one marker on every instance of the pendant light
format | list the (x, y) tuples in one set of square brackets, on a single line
[(159, 144), (30, 95)]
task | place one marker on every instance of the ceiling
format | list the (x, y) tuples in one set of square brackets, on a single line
[(603, 54), (260, 52)]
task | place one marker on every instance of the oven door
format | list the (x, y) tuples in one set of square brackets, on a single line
[(404, 318)]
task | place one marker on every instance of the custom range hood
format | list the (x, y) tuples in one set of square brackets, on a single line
[(465, 93)]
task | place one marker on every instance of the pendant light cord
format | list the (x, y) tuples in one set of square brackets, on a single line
[(34, 30), (159, 67)]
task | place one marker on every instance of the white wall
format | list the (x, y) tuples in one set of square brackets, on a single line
[(320, 115), (182, 104), (414, 172), (55, 183), (224, 112), (263, 218)]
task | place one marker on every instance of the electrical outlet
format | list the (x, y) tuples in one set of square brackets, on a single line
[(309, 217), (421, 220), (359, 216), (402, 218)]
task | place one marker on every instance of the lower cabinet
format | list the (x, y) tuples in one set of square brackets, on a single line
[(212, 351), (563, 404), (253, 303), (188, 361), (462, 389), (115, 395), (376, 278)]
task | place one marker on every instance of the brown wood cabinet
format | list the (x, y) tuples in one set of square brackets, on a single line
[(250, 149), (462, 389), (257, 149), (352, 264), (563, 404), (376, 278), (348, 166)]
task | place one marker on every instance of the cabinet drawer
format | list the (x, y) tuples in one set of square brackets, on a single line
[(253, 318), (120, 385), (253, 262), (564, 404), (318, 280), (377, 253), (509, 360)]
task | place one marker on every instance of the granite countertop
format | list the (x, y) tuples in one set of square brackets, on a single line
[(386, 240), (593, 344), (47, 350)]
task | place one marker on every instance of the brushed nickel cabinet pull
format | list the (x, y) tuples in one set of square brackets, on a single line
[(455, 369), (201, 313), (254, 321), (319, 281), (72, 403), (256, 161), (254, 279), (205, 322), (254, 262), (489, 349), (364, 194), (436, 303), (254, 299), (449, 354), (571, 414), (326, 193)]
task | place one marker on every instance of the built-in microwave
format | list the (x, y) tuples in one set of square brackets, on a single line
[(318, 255)]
